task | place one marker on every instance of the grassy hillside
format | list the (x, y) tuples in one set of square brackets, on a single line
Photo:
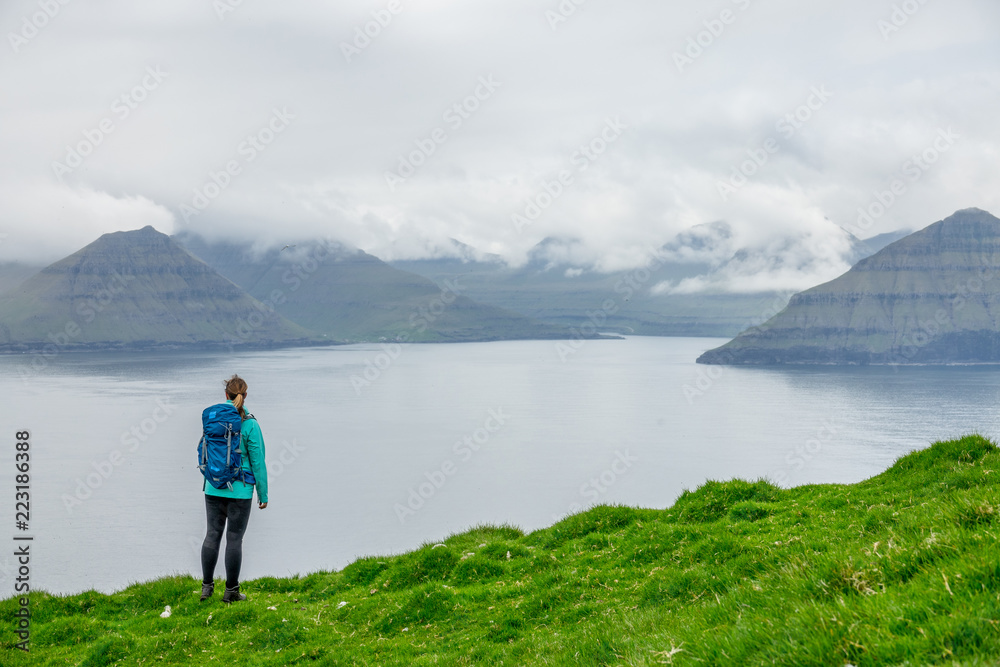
[(903, 568)]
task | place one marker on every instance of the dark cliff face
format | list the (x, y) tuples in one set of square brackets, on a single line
[(136, 289), (932, 297)]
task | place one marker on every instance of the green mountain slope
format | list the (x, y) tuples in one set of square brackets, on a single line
[(137, 290), (350, 295), (901, 569), (932, 297)]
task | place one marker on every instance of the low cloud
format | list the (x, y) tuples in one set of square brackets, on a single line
[(72, 216), (884, 100)]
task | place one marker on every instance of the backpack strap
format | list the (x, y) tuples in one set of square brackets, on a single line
[(243, 473), (203, 446)]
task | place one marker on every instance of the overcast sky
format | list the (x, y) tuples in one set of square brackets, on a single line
[(183, 86)]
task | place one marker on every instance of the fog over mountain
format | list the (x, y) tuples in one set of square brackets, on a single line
[(492, 126)]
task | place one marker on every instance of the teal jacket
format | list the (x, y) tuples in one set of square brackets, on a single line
[(252, 444)]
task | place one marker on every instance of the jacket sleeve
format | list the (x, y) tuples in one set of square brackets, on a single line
[(255, 450)]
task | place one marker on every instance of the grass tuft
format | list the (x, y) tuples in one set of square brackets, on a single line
[(714, 500)]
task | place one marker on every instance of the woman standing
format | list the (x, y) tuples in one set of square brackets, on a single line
[(229, 509)]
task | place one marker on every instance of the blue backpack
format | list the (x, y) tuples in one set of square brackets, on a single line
[(220, 457)]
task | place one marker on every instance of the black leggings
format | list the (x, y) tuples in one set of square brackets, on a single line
[(219, 510)]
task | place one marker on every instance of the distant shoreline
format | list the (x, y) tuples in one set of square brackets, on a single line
[(47, 348)]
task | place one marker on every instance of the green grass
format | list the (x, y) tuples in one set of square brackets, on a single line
[(903, 568)]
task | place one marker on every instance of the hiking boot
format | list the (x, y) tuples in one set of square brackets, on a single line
[(207, 590), (233, 595)]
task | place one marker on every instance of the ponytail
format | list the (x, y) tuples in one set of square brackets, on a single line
[(236, 390), (238, 404)]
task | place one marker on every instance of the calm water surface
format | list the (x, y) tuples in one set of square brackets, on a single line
[(442, 438)]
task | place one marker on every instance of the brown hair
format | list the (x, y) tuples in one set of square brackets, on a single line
[(236, 390)]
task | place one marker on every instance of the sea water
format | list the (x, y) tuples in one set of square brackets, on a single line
[(377, 449)]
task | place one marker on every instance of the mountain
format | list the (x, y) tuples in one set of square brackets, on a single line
[(573, 296), (932, 297), (700, 283), (876, 243), (137, 290), (350, 295)]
